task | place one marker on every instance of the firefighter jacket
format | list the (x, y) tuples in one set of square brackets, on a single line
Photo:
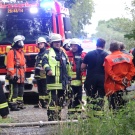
[(16, 64), (78, 77), (39, 70), (3, 102), (117, 66), (58, 62)]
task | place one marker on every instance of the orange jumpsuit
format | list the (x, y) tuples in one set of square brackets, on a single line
[(117, 66), (16, 64), (16, 67)]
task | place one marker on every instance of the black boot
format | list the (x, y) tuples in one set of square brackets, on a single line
[(13, 107), (20, 105), (53, 115)]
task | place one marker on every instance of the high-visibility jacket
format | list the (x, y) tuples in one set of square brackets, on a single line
[(16, 64), (117, 66), (61, 69), (78, 77)]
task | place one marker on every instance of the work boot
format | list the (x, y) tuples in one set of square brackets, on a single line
[(14, 107), (20, 105)]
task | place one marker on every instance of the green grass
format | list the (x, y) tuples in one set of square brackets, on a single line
[(121, 122), (7, 120)]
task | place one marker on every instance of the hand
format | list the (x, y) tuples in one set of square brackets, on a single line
[(49, 73)]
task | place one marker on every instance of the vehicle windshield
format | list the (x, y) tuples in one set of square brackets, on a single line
[(31, 26)]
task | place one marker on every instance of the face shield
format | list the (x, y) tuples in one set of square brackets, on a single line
[(20, 43)]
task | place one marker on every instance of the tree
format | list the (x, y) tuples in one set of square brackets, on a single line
[(80, 13), (115, 29)]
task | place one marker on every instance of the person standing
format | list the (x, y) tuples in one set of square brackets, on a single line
[(40, 74), (119, 71), (16, 73), (76, 57), (94, 83), (3, 103), (58, 72)]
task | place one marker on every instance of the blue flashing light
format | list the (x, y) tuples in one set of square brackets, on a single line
[(33, 10), (48, 5)]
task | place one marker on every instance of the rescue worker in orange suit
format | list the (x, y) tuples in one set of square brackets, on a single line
[(76, 57), (119, 70), (94, 84), (58, 72), (16, 73), (3, 103), (40, 74)]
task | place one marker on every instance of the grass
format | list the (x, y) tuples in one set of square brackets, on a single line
[(121, 122)]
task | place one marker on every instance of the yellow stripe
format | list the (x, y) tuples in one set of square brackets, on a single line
[(11, 92), (3, 105), (20, 98), (46, 65), (76, 83)]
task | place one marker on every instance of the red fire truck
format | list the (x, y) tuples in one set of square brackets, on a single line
[(30, 18)]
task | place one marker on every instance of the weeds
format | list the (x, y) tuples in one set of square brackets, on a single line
[(120, 122)]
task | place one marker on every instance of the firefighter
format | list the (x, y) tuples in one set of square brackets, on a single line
[(3, 103), (16, 73), (40, 74), (66, 44), (119, 70), (76, 57), (58, 72), (94, 83)]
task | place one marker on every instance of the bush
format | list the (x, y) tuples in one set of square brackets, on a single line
[(120, 122)]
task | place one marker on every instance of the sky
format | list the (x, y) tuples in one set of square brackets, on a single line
[(107, 9)]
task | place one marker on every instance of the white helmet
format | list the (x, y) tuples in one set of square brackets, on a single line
[(18, 37), (75, 41), (66, 41), (55, 37), (41, 40)]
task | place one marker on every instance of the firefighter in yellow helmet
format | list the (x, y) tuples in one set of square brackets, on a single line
[(40, 74), (16, 73), (58, 72)]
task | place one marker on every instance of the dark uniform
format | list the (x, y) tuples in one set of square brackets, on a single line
[(40, 76), (3, 103), (58, 63), (94, 83)]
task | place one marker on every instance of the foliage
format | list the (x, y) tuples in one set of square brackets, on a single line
[(115, 29), (80, 13), (112, 123)]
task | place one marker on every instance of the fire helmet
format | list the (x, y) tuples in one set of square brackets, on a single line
[(66, 41), (41, 40), (75, 41), (18, 38), (55, 37)]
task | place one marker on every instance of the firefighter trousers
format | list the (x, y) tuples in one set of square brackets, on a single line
[(43, 93), (15, 93), (116, 101), (3, 103), (55, 104), (77, 97)]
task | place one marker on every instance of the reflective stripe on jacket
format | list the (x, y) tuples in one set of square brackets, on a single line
[(117, 66), (59, 70), (16, 64), (78, 77)]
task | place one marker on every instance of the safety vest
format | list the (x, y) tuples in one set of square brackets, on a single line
[(55, 67), (78, 77)]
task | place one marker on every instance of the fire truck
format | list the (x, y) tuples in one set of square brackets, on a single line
[(32, 19)]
